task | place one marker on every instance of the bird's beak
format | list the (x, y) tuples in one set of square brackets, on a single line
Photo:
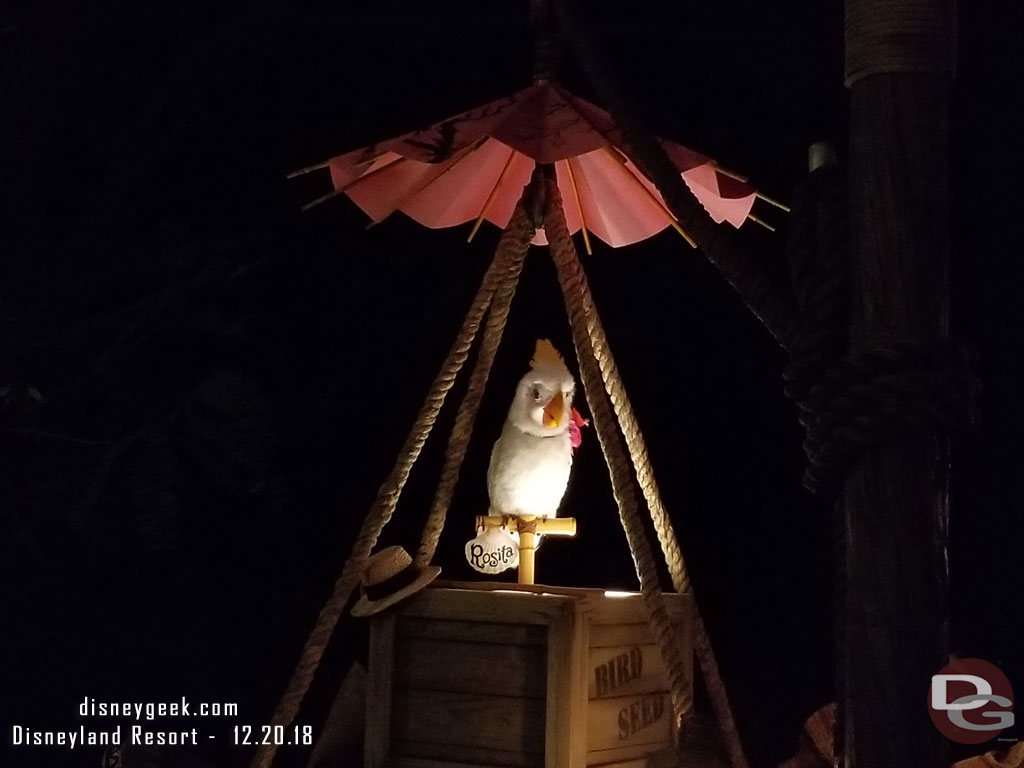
[(554, 411)]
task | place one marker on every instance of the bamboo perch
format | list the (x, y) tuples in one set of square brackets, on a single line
[(490, 197), (579, 206), (529, 528), (652, 197), (554, 526)]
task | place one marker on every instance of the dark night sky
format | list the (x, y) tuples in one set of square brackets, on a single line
[(150, 239)]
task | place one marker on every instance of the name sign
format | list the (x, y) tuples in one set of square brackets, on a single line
[(492, 551)]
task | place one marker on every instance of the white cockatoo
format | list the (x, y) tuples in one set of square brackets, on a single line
[(530, 462)]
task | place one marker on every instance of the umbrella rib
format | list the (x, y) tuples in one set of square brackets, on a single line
[(764, 224), (458, 158), (759, 195), (579, 205), (307, 169), (770, 201), (652, 197), (335, 192), (727, 172), (322, 199), (490, 197), (714, 164)]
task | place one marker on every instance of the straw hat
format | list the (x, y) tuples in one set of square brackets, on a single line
[(389, 576)]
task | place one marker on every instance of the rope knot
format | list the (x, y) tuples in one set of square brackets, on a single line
[(882, 396), (527, 526)]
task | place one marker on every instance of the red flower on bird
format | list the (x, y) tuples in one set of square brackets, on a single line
[(575, 422)]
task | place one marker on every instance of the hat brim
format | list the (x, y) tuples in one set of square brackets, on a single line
[(366, 607)]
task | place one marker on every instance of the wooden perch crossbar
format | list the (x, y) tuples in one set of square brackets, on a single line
[(529, 528)]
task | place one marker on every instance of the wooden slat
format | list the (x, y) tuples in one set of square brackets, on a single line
[(607, 635), (629, 721), (600, 608), (342, 735), (459, 627), (578, 693), (623, 758), (631, 610), (472, 631), (482, 668), (488, 607), (640, 762), (564, 743), (422, 754), (462, 719), (377, 748), (626, 670)]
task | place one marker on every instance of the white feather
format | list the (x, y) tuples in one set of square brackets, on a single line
[(528, 474), (530, 462)]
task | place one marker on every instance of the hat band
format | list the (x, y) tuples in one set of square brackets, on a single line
[(403, 578)]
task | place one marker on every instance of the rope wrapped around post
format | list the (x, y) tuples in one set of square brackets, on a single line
[(508, 252), (882, 396), (883, 37), (582, 315), (667, 538), (516, 241)]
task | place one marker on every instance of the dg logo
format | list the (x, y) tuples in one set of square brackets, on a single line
[(970, 701)]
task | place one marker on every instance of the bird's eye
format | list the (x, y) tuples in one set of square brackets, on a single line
[(536, 395)]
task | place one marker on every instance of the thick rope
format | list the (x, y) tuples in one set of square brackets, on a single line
[(514, 243), (667, 538), (882, 396), (582, 314), (817, 249), (383, 507), (899, 36), (741, 269)]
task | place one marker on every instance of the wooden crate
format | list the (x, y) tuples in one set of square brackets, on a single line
[(473, 674)]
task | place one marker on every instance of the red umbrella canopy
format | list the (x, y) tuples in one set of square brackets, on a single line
[(474, 166)]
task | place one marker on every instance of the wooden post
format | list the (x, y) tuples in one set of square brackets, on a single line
[(527, 550), (529, 527), (899, 59)]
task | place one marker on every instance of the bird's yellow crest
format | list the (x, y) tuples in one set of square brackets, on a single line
[(546, 354)]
